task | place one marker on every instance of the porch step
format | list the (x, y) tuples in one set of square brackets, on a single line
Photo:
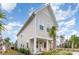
[(38, 53)]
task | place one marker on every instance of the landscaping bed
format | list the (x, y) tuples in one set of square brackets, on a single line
[(56, 52), (25, 51)]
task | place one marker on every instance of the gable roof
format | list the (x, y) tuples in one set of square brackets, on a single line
[(30, 18)]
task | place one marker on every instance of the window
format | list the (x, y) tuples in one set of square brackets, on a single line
[(44, 44), (21, 36), (21, 45), (27, 45), (41, 27), (37, 44), (48, 29)]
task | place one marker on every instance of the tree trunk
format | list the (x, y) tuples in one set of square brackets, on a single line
[(54, 42)]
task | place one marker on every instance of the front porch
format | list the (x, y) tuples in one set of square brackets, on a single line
[(38, 45)]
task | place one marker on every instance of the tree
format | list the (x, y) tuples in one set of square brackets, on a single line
[(61, 40), (74, 40), (7, 42), (15, 45), (2, 16), (52, 34)]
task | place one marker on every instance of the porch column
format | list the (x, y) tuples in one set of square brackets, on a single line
[(47, 48), (34, 45)]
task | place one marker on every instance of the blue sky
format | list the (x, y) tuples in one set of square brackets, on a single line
[(67, 16)]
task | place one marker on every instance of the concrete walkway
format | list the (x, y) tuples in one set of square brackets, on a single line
[(75, 53)]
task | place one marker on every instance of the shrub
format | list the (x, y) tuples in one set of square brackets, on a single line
[(25, 51)]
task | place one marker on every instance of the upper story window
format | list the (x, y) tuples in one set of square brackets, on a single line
[(21, 45), (48, 29), (41, 27), (21, 36)]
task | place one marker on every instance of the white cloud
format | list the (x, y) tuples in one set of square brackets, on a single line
[(61, 23), (8, 6), (15, 24), (63, 14), (71, 23), (10, 26), (56, 6), (72, 32), (11, 30), (67, 28)]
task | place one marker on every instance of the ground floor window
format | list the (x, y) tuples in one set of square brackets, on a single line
[(21, 45), (37, 44), (27, 45), (44, 44)]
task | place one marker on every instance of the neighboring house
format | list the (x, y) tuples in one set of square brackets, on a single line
[(2, 45), (35, 32)]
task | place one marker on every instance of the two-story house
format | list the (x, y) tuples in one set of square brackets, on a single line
[(35, 32)]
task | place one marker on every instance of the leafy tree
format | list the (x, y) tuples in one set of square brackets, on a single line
[(61, 40), (2, 16), (52, 34), (7, 42), (74, 39)]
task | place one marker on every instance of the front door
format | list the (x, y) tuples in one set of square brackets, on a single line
[(42, 46)]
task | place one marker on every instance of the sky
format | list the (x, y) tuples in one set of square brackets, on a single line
[(67, 17)]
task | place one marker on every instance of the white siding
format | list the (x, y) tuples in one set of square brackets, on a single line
[(32, 30), (27, 34), (43, 18)]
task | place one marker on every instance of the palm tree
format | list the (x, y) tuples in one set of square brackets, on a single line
[(2, 16), (61, 40), (74, 40), (1, 28), (52, 34)]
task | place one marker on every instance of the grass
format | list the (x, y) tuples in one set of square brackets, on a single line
[(50, 52), (10, 52), (57, 52)]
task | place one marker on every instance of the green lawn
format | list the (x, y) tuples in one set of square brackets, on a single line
[(57, 52), (12, 52), (50, 52)]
